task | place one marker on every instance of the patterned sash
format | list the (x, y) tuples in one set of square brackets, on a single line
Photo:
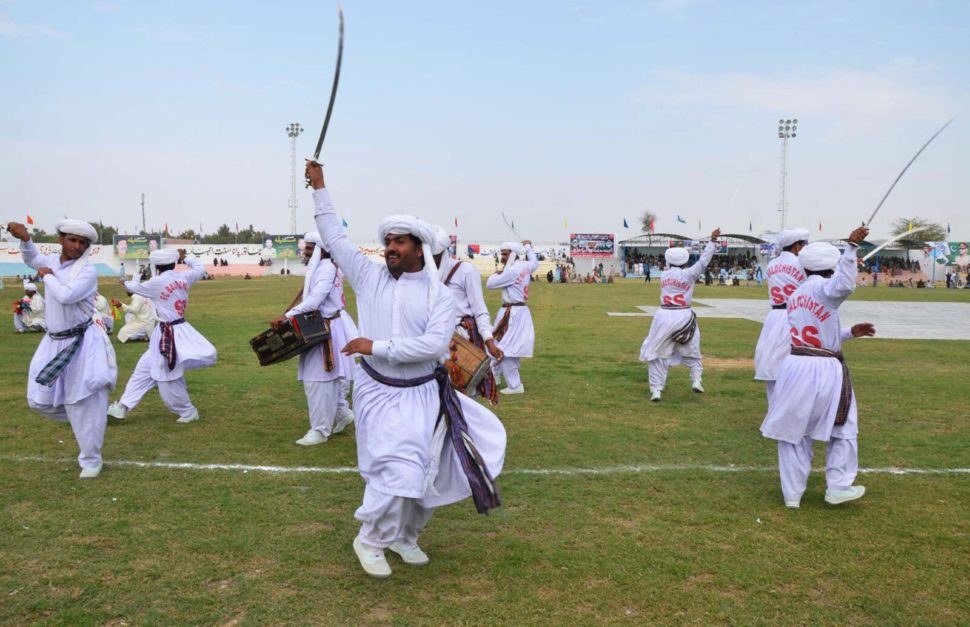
[(56, 366), (328, 360), (166, 346), (503, 324), (484, 489), (685, 334), (845, 395)]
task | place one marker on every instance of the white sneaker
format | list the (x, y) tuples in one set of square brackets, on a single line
[(516, 390), (344, 418), (696, 386), (90, 473), (655, 396), (793, 504), (372, 560), (190, 418), (117, 410), (835, 497), (410, 553), (311, 438)]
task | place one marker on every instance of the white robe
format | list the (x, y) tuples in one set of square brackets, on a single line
[(326, 295), (785, 274), (169, 292), (394, 426), (139, 318), (520, 336), (34, 317), (466, 287), (69, 303), (806, 394), (676, 289)]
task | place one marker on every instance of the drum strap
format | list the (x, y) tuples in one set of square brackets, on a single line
[(484, 489), (328, 361), (845, 394), (296, 299), (503, 324), (451, 274)]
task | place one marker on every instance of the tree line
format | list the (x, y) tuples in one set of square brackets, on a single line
[(223, 235)]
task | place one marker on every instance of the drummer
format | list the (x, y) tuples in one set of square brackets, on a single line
[(474, 323), (325, 372)]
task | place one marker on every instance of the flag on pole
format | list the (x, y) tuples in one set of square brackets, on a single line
[(166, 227), (947, 228), (820, 226), (565, 223), (750, 226), (681, 219), (653, 227), (29, 219), (344, 222), (237, 226), (456, 222), (698, 225), (625, 225), (910, 227)]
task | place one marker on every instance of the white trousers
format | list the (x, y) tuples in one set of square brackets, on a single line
[(342, 404), (174, 394), (508, 368), (770, 390), (386, 519), (657, 371), (322, 398), (795, 464), (18, 324), (88, 419)]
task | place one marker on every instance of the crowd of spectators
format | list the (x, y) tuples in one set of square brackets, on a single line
[(893, 266)]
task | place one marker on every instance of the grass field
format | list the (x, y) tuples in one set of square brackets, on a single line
[(677, 518)]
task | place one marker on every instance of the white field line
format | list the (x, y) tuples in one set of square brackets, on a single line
[(603, 470)]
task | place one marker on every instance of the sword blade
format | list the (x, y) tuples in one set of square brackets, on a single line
[(333, 90), (893, 240), (928, 142), (509, 224)]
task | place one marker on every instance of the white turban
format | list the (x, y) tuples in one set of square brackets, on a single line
[(676, 256), (819, 256), (29, 287), (164, 257), (787, 237), (314, 238), (516, 251), (77, 227), (410, 225), (441, 240)]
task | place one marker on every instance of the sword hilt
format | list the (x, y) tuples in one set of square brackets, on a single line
[(315, 160)]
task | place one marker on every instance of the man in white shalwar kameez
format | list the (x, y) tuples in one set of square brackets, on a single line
[(74, 368), (785, 274), (406, 319), (31, 315), (139, 317), (674, 336), (813, 397), (175, 345), (324, 370), (473, 322), (514, 333)]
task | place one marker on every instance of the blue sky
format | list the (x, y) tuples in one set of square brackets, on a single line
[(567, 116)]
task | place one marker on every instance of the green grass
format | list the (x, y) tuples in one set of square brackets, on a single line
[(167, 546)]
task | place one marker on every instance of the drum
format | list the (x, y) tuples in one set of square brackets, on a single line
[(295, 336), (467, 365)]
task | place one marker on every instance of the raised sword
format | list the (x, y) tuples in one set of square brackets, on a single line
[(333, 93)]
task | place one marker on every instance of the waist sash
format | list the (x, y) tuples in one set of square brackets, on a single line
[(484, 490), (166, 346), (685, 334), (503, 324), (675, 306), (845, 395), (56, 366), (781, 306), (328, 361)]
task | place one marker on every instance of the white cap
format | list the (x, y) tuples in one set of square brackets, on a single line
[(787, 237), (819, 256), (441, 240), (68, 226), (677, 256), (164, 257)]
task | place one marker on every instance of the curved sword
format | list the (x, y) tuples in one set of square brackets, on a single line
[(928, 142), (893, 240), (333, 91)]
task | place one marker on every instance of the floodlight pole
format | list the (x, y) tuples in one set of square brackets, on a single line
[(786, 131), (293, 131)]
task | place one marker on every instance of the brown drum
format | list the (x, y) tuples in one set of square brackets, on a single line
[(291, 338), (467, 365)]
